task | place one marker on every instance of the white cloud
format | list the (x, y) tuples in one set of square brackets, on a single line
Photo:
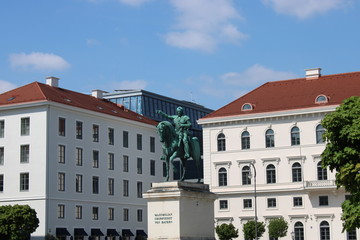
[(134, 2), (203, 24), (6, 86), (126, 85), (38, 61), (92, 42), (254, 76), (305, 8)]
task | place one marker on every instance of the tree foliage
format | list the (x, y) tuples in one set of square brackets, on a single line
[(342, 153), (17, 222), (278, 227), (249, 229), (226, 231)]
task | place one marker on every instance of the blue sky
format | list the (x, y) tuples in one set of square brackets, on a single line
[(207, 51)]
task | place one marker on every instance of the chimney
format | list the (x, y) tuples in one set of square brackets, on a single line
[(52, 81), (98, 93), (313, 73)]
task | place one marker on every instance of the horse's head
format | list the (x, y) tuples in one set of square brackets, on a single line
[(166, 131)]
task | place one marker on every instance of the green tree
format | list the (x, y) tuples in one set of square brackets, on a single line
[(342, 153), (278, 227), (249, 229), (226, 231), (17, 222)]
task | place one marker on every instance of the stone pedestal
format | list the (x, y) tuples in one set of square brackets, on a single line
[(180, 211)]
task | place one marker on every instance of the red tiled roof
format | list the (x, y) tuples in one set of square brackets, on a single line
[(294, 94), (35, 92)]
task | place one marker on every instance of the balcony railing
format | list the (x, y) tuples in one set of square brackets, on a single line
[(320, 184)]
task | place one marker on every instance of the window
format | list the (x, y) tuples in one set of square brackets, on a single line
[(110, 186), (271, 202), (164, 169), (297, 201), (245, 140), (2, 155), (319, 134), (111, 161), (78, 183), (125, 139), (24, 181), (351, 234), (95, 185), (61, 152), (298, 231), (139, 142), (139, 165), (79, 156), (221, 142), (111, 136), (25, 126), (269, 138), (125, 214), (61, 126), (1, 182), (246, 107), (321, 99), (125, 163), (125, 188), (222, 177), (2, 128), (152, 167), (95, 159), (24, 153), (247, 203), (61, 211), (270, 174), (139, 215), (152, 144), (95, 132), (61, 181), (295, 136), (139, 189), (324, 230), (111, 214), (246, 180), (78, 212), (223, 204), (321, 172), (95, 213), (323, 200), (296, 172), (79, 130)]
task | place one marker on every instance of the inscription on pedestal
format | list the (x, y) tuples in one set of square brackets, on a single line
[(163, 218)]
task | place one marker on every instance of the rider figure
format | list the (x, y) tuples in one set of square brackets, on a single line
[(182, 125)]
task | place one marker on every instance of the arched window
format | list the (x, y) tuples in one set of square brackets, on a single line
[(246, 107), (319, 134), (221, 142), (269, 138), (296, 172), (324, 230), (321, 172), (321, 99), (295, 136), (299, 231), (222, 177), (270, 174), (245, 140), (246, 180)]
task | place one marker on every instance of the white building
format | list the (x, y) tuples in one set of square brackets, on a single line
[(82, 162), (277, 128)]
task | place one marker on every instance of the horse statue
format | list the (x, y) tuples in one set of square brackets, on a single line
[(172, 149)]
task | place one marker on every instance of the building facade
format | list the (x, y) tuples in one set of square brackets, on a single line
[(262, 156), (80, 161)]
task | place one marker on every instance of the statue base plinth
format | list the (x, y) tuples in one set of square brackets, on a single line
[(180, 211)]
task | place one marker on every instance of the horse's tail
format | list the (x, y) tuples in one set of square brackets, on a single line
[(196, 154)]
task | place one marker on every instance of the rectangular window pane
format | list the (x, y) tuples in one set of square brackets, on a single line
[(79, 130), (79, 156), (25, 126), (61, 181), (61, 152), (111, 214), (125, 188), (223, 204), (139, 215), (323, 200), (111, 186), (152, 144), (2, 128), (271, 202), (297, 201), (139, 142), (78, 183), (247, 203), (139, 189), (95, 213), (152, 167), (24, 153), (126, 214), (61, 211), (139, 165), (95, 159), (1, 182), (78, 212), (111, 161), (111, 136), (61, 126), (125, 139), (126, 163), (95, 133), (24, 181), (2, 154), (95, 185)]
